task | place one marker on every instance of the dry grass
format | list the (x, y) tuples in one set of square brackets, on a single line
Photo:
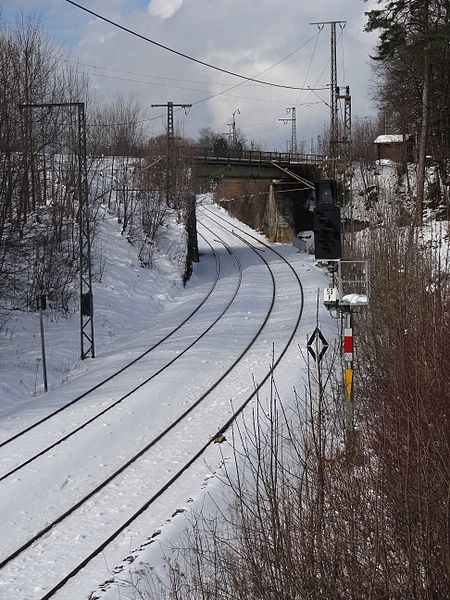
[(307, 523)]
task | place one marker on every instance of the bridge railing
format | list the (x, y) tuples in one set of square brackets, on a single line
[(259, 157)]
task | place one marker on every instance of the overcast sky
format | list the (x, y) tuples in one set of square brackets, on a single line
[(270, 39)]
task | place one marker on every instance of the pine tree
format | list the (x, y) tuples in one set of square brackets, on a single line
[(418, 31)]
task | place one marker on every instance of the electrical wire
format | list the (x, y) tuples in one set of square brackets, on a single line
[(163, 78), (223, 92), (131, 80), (310, 63), (210, 97), (179, 87), (186, 56)]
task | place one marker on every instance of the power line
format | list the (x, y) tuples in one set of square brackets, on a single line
[(222, 93), (309, 66), (150, 76), (182, 54), (162, 78), (178, 87), (165, 78), (155, 83)]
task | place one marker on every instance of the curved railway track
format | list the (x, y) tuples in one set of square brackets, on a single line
[(259, 251), (123, 397), (124, 368), (43, 531)]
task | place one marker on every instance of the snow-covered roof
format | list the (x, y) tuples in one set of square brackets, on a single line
[(353, 299), (392, 139)]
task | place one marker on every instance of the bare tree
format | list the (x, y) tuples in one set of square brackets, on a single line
[(37, 167)]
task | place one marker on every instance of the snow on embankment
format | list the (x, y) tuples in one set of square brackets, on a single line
[(127, 300), (385, 187)]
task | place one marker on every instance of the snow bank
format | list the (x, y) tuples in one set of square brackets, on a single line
[(127, 300)]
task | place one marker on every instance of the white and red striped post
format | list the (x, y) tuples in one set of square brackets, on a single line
[(348, 371)]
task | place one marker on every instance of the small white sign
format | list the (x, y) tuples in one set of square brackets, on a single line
[(330, 295)]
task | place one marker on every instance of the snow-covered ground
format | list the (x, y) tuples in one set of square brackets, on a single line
[(134, 309), (122, 290)]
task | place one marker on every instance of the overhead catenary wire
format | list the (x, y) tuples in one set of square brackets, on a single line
[(139, 74), (177, 87), (323, 71), (165, 78), (210, 97), (246, 79), (187, 56), (309, 65)]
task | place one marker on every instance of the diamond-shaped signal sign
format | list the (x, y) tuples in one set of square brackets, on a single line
[(317, 334)]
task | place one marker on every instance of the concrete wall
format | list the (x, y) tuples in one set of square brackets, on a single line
[(262, 205)]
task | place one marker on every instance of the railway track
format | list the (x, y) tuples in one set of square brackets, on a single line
[(115, 374), (66, 524), (60, 440)]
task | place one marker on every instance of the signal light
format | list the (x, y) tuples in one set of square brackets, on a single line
[(327, 233), (326, 222), (326, 191)]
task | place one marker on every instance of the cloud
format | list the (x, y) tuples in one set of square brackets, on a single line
[(230, 34), (164, 8)]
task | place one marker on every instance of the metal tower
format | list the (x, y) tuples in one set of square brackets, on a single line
[(334, 133), (170, 149), (293, 120), (86, 295)]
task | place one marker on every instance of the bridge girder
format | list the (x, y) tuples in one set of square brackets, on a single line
[(255, 171)]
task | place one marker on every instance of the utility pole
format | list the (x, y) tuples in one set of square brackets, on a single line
[(86, 295), (41, 301), (333, 85), (345, 153), (170, 150), (293, 120)]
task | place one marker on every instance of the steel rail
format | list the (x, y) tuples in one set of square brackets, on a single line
[(122, 369), (222, 429), (130, 392), (158, 438)]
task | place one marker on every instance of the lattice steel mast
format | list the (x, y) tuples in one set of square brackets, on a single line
[(293, 120), (170, 149), (334, 130), (86, 295)]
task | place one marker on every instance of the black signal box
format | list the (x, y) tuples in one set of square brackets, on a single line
[(326, 222), (326, 191)]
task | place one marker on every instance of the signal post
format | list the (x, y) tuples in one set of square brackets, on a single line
[(349, 287)]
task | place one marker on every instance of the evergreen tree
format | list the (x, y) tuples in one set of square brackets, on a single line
[(414, 40)]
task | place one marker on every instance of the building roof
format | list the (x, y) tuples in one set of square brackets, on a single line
[(393, 139)]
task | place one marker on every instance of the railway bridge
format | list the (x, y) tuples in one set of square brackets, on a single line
[(271, 191)]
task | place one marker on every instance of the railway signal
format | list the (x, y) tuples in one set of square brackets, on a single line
[(326, 221), (349, 290), (316, 337)]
